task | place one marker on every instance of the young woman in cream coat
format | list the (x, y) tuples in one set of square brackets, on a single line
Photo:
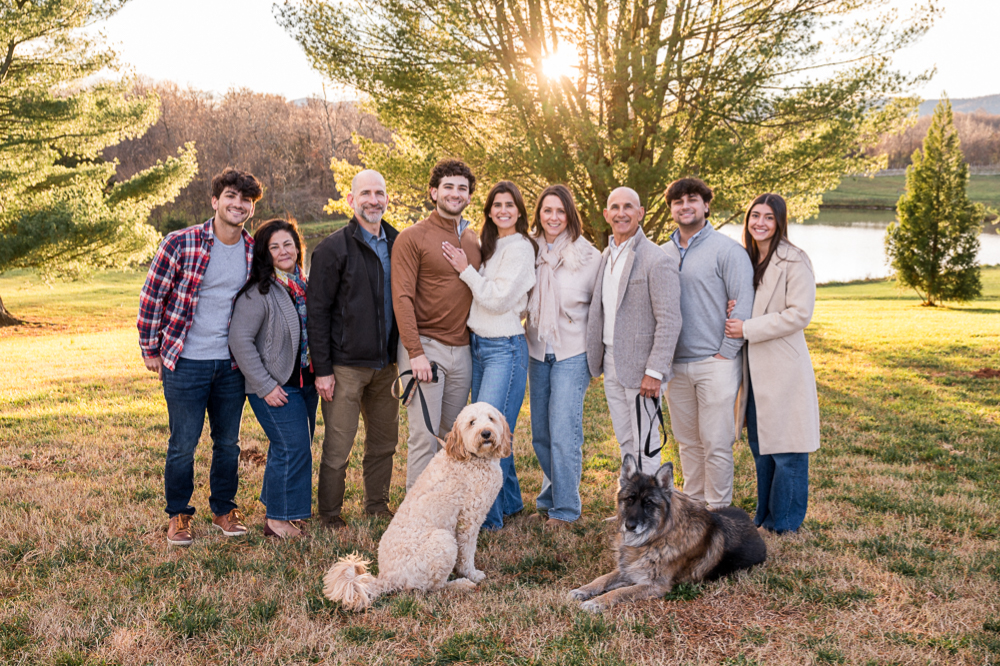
[(778, 398)]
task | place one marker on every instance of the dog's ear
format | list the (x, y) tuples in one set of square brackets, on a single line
[(628, 468), (506, 439), (665, 476), (454, 445)]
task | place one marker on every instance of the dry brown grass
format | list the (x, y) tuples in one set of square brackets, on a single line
[(898, 561)]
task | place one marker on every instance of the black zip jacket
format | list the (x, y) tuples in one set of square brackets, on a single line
[(345, 305)]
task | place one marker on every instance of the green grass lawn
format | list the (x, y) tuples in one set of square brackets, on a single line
[(898, 561), (884, 191)]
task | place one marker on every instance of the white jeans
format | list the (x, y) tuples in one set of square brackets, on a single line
[(630, 433), (702, 402)]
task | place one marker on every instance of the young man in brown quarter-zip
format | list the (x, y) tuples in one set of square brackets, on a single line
[(431, 304)]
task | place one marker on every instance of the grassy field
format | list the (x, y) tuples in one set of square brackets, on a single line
[(885, 191), (898, 561)]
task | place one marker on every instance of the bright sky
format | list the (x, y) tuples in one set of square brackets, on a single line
[(220, 44)]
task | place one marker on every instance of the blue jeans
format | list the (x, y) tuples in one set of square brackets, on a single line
[(499, 375), (782, 480), (191, 389), (557, 391), (287, 487)]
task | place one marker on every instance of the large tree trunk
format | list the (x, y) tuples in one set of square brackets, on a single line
[(6, 318)]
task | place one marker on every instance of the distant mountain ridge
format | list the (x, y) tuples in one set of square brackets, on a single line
[(989, 104)]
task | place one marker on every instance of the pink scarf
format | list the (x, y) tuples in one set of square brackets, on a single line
[(545, 302)]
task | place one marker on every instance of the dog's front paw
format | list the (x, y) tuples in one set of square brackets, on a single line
[(578, 594), (593, 606), (476, 576)]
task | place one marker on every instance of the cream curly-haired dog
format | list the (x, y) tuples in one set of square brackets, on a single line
[(436, 527)]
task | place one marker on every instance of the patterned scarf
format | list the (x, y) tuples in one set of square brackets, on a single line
[(296, 286)]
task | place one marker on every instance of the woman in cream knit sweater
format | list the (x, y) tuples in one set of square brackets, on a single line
[(499, 298)]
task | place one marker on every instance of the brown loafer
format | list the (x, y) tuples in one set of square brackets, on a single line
[(231, 524), (179, 530), (334, 523)]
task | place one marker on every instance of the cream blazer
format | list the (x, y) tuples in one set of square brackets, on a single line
[(776, 356)]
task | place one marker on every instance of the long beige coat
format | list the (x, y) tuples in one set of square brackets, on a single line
[(784, 384)]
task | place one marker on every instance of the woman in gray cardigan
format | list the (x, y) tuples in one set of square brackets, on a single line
[(268, 339)]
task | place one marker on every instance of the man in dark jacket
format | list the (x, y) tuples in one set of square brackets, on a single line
[(353, 338)]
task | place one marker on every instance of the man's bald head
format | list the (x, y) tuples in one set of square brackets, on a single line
[(366, 177), (368, 198), (624, 193)]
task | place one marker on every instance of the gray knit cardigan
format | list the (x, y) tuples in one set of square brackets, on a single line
[(264, 338)]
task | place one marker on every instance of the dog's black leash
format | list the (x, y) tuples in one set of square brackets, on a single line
[(649, 435), (405, 395)]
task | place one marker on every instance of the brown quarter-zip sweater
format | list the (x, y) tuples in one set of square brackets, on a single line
[(428, 297)]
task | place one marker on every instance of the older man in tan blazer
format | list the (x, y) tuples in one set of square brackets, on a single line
[(632, 330)]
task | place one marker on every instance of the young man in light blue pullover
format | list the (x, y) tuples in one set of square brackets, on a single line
[(708, 367)]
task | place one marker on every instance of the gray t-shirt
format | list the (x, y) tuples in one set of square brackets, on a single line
[(208, 337)]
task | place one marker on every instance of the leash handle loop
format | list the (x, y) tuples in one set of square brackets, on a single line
[(649, 435)]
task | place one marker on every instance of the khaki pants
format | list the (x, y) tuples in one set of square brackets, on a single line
[(366, 392), (445, 399), (630, 433), (702, 402)]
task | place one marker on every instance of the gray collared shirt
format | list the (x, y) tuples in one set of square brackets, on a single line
[(676, 238), (381, 247)]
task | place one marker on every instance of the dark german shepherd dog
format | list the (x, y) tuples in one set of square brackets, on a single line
[(665, 538)]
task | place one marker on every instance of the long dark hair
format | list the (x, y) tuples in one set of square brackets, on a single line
[(780, 210), (490, 233), (262, 266), (573, 225)]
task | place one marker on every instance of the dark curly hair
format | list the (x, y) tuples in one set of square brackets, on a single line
[(262, 266), (243, 182), (446, 168), (682, 186)]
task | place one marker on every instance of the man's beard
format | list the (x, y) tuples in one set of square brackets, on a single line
[(372, 217), (451, 211)]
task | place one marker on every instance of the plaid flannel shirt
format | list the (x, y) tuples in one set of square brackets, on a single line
[(168, 299)]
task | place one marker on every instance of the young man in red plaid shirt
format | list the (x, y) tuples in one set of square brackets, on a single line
[(184, 311)]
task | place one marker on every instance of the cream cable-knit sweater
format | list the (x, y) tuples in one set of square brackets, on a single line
[(500, 288)]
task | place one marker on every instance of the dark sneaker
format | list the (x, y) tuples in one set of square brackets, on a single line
[(334, 523), (384, 513), (179, 530), (231, 524)]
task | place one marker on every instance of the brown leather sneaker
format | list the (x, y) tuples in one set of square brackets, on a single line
[(556, 524), (536, 518), (179, 530), (231, 524), (384, 513)]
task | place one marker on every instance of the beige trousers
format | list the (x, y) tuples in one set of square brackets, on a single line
[(367, 393), (445, 399), (702, 402), (631, 433)]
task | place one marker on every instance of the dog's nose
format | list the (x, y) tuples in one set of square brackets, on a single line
[(487, 434), (631, 524)]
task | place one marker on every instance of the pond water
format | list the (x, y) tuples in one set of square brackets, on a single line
[(850, 245)]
